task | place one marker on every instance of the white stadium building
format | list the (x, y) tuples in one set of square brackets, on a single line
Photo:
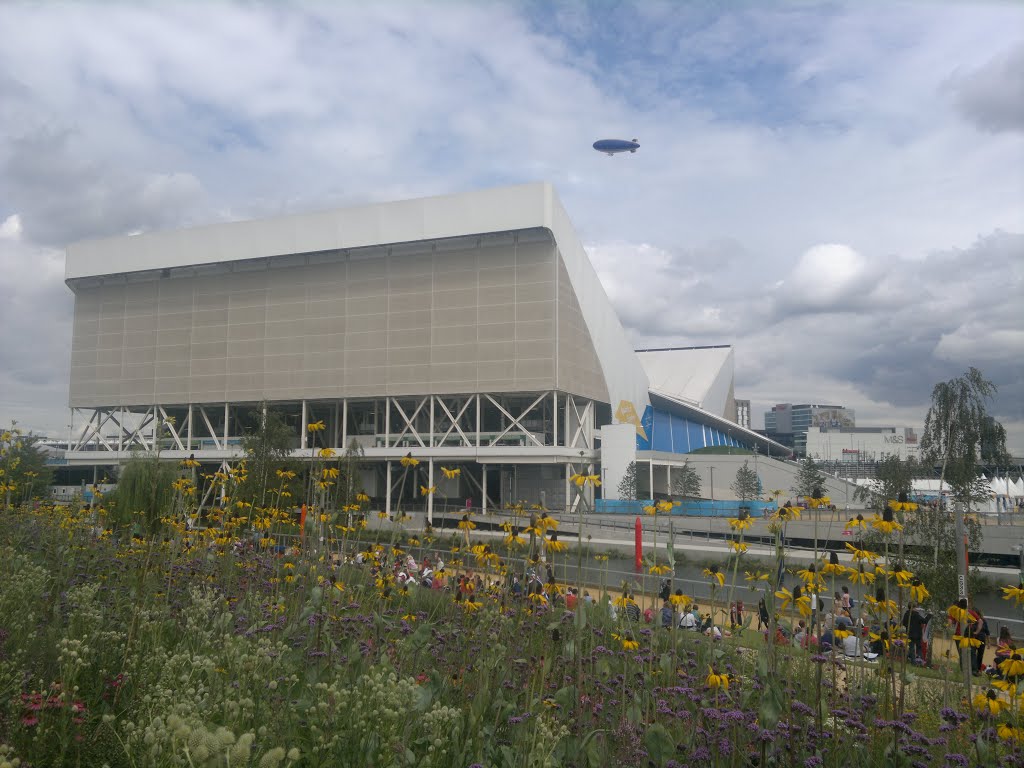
[(470, 330)]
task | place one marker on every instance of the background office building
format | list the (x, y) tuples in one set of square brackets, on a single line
[(861, 444), (788, 424)]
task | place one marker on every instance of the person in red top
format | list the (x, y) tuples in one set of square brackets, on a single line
[(570, 599)]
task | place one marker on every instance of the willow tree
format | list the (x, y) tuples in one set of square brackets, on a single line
[(956, 429)]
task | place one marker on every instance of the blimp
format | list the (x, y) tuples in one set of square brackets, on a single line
[(614, 146)]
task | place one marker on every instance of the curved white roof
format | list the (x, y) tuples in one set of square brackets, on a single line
[(701, 376)]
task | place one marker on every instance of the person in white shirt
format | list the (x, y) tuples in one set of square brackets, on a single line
[(851, 645), (688, 621)]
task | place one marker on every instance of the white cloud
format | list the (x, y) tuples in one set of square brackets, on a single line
[(767, 132)]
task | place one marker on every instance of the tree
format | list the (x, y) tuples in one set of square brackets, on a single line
[(23, 470), (143, 497), (267, 449), (627, 485), (350, 482), (746, 485), (809, 480), (954, 430), (686, 482), (894, 480)]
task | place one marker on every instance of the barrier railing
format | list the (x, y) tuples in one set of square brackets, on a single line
[(691, 508)]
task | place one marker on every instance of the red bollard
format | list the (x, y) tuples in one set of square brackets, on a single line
[(639, 553)]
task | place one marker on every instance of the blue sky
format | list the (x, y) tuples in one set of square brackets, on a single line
[(834, 188)]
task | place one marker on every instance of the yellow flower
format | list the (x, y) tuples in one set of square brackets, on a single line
[(965, 641), (757, 576), (715, 575), (1009, 733), (808, 575), (841, 634), (544, 522), (904, 578), (601, 558), (330, 473), (860, 576), (787, 513), (581, 480), (553, 544), (834, 568), (902, 506), (1005, 686), (426, 490), (622, 602), (660, 570), (362, 498), (408, 461), (451, 473), (316, 426), (627, 644), (820, 501), (740, 524), (918, 592), (1013, 666), (1014, 593), (679, 600), (666, 506), (881, 637), (327, 453), (716, 680), (188, 463), (469, 605), (857, 522), (861, 555), (957, 614), (885, 523), (989, 701), (739, 546), (801, 602), (650, 509), (539, 598), (409, 617), (466, 524)]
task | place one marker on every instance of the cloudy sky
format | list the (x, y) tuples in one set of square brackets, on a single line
[(837, 189)]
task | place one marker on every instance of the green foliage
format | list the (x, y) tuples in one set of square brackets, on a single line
[(627, 485), (930, 533), (350, 483), (894, 481), (957, 420), (267, 449), (159, 654), (686, 482), (809, 480), (746, 486), (23, 471), (143, 496)]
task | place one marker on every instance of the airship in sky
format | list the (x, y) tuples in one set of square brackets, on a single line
[(614, 146)]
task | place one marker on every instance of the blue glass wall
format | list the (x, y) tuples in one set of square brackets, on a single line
[(677, 434)]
